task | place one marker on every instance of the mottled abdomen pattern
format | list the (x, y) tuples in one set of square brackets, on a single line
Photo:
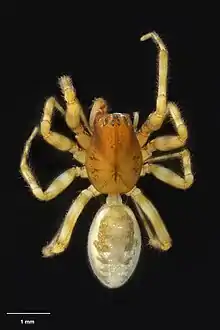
[(114, 244)]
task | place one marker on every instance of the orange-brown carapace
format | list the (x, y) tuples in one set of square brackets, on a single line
[(114, 158)]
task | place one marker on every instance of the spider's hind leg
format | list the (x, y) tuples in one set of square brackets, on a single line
[(62, 238), (159, 237)]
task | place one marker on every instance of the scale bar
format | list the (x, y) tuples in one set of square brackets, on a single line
[(30, 313)]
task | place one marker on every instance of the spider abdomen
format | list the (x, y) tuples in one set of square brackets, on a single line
[(114, 245), (114, 159)]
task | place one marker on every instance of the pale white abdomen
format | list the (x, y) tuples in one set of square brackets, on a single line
[(114, 244)]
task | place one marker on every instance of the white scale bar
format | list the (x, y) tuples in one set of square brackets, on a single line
[(39, 313)]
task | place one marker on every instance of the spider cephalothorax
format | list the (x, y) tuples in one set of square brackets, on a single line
[(113, 154), (113, 159)]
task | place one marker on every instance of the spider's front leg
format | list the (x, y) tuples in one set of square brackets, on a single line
[(74, 112), (57, 186), (168, 142), (168, 176), (58, 140), (156, 119), (61, 240)]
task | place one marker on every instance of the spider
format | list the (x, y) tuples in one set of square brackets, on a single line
[(114, 154)]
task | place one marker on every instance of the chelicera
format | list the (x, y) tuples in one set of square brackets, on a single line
[(114, 154)]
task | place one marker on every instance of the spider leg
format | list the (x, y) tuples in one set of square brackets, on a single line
[(135, 120), (62, 238), (58, 140), (99, 107), (156, 118), (166, 175), (168, 142), (159, 237), (57, 186), (74, 112)]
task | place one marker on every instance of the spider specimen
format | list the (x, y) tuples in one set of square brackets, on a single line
[(113, 154)]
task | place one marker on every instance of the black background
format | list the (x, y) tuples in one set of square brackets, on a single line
[(99, 47)]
